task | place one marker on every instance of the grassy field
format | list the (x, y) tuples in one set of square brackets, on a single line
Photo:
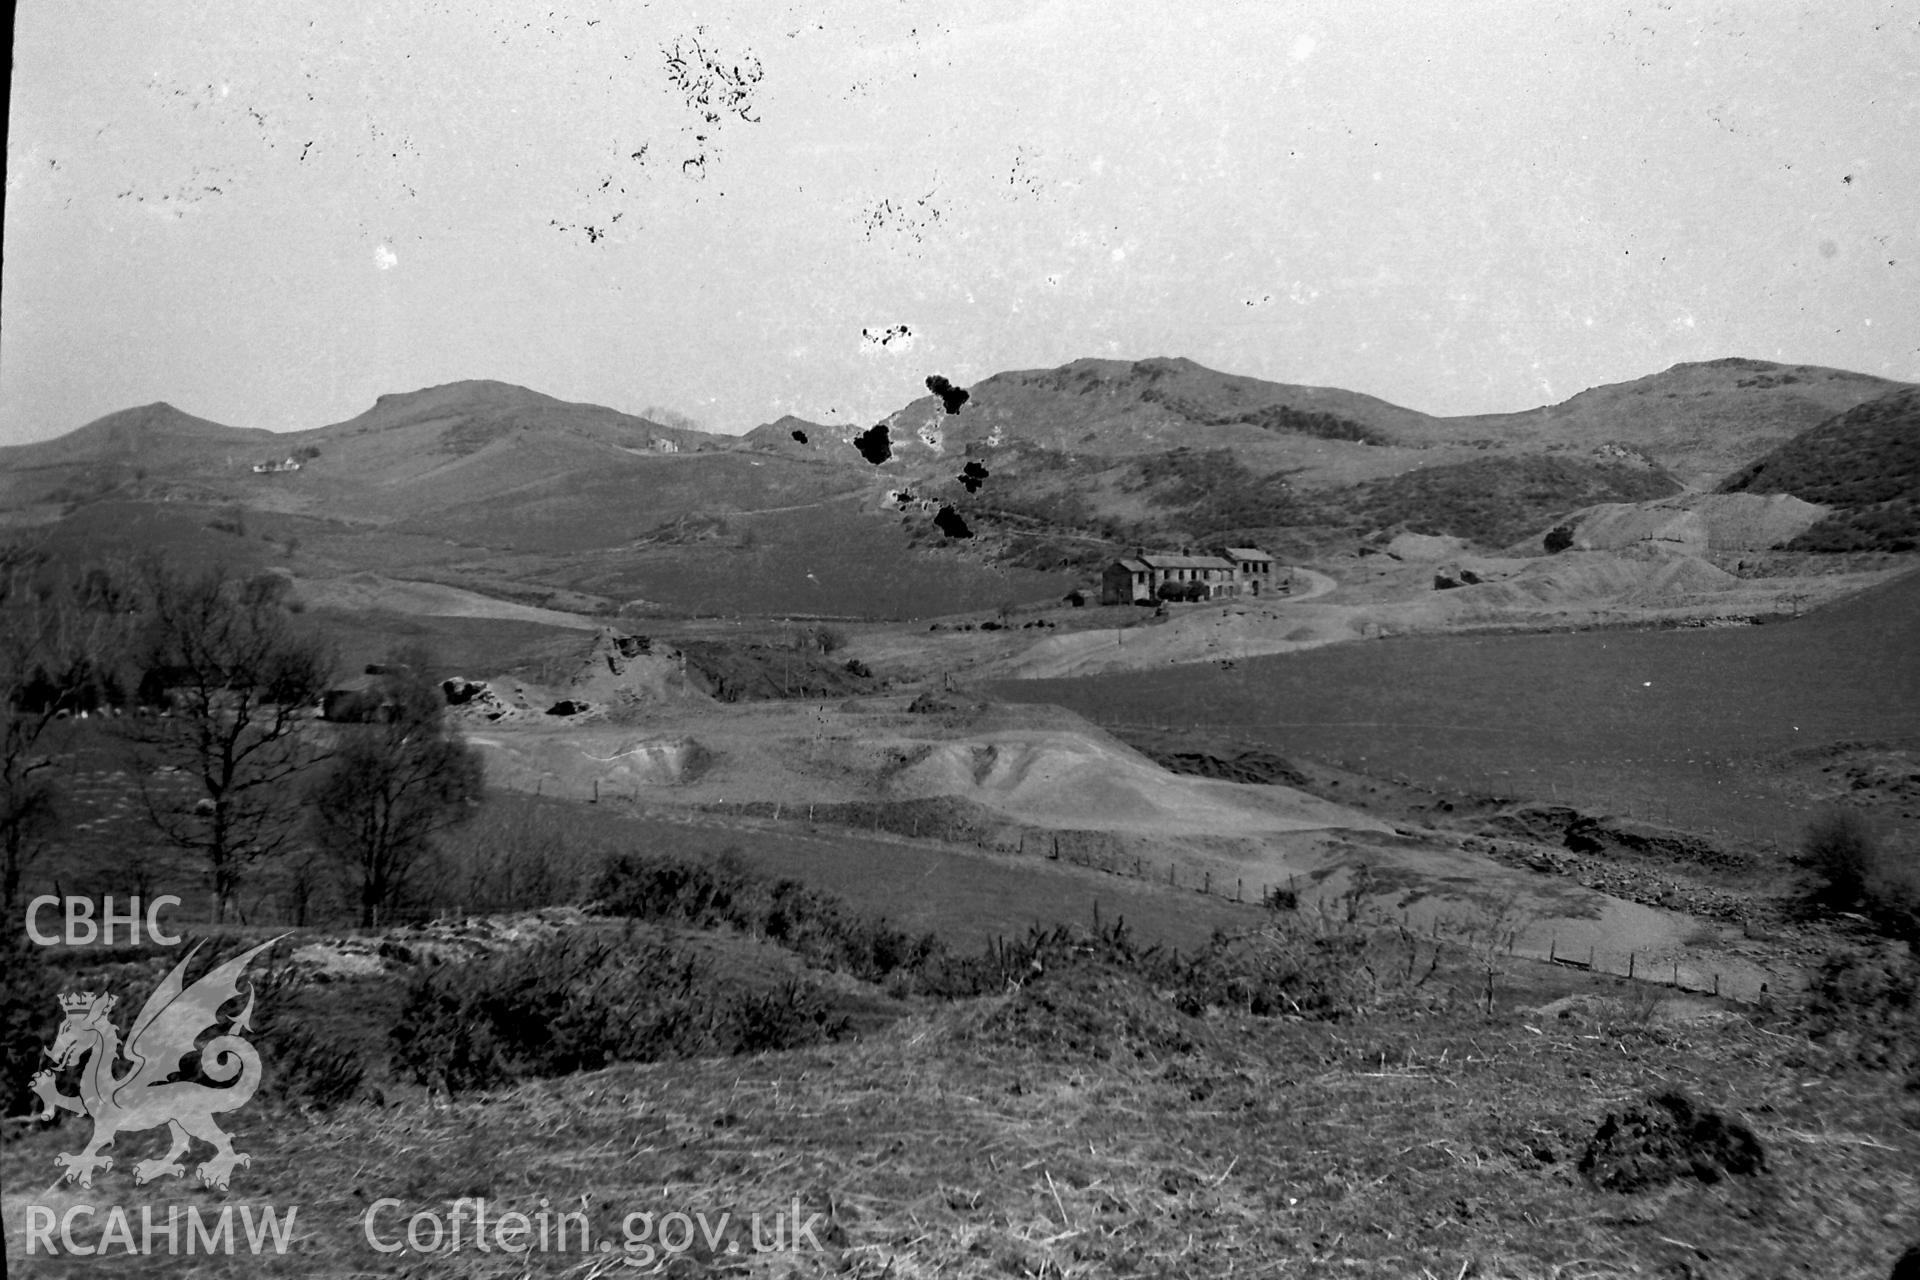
[(969, 896), (1673, 725)]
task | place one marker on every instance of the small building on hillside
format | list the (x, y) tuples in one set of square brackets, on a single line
[(1140, 578), (268, 468)]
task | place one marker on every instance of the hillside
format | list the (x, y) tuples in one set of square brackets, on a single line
[(1866, 462), (1699, 421), (798, 437), (1105, 451), (1493, 501), (496, 487), (154, 448)]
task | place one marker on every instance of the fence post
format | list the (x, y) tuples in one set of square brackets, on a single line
[(1629, 964), (1240, 889), (1170, 879), (1553, 950), (1676, 975)]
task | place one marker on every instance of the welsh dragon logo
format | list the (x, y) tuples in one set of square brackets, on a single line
[(144, 1097)]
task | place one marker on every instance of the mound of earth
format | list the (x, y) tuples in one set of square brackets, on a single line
[(1078, 780), (1084, 1008), (1582, 579), (632, 668), (1698, 524), (1671, 1138), (731, 672), (562, 765)]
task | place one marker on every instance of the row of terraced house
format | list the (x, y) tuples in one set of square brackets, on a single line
[(1145, 577)]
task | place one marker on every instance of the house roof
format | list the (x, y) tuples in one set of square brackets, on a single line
[(1186, 562), (1246, 553), (1132, 566)]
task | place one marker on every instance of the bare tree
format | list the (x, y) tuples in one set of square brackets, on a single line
[(60, 637), (233, 683), (392, 786)]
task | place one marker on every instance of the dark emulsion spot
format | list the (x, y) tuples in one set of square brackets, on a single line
[(949, 522), (800, 436), (874, 444), (950, 396), (973, 475)]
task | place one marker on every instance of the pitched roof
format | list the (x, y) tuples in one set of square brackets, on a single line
[(1132, 566), (1186, 562), (1246, 553)]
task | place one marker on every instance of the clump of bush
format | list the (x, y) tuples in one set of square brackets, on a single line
[(1866, 1007), (817, 926), (304, 1067), (1325, 964), (579, 1001), (1857, 872), (29, 1018)]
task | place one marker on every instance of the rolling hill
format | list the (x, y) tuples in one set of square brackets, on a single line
[(489, 483), (1699, 421), (1866, 462), (153, 449)]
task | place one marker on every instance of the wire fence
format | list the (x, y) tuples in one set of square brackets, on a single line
[(1573, 944)]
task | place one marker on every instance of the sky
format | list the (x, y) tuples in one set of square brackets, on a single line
[(269, 215)]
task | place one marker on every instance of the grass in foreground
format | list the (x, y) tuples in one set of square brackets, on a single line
[(1079, 1125)]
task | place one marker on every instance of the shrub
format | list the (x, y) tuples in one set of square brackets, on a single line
[(1840, 849), (29, 1018), (1866, 1007), (792, 1017), (578, 1002), (817, 926), (1322, 965), (302, 1067)]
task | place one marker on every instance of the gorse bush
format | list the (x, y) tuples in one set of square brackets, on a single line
[(303, 1067), (579, 1001), (1858, 872), (1327, 963), (1866, 1007), (817, 926)]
